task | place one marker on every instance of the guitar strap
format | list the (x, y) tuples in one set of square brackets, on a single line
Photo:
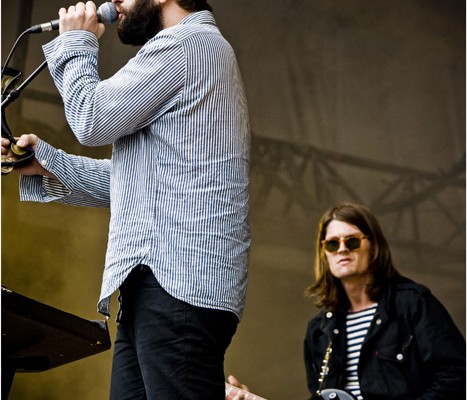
[(324, 367), (327, 394)]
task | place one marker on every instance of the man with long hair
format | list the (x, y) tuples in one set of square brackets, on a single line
[(379, 335)]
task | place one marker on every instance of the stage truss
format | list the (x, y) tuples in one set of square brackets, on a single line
[(422, 212)]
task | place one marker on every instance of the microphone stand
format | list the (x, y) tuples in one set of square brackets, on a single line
[(25, 154), (14, 94)]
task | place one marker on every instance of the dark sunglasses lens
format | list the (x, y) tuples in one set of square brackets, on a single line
[(331, 245), (353, 243)]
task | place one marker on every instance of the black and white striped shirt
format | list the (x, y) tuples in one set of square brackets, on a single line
[(357, 325), (177, 182)]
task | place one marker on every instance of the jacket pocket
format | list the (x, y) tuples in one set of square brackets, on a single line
[(394, 368), (395, 352)]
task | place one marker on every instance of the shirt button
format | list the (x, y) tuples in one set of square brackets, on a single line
[(336, 331), (329, 315), (400, 357), (378, 321), (44, 163)]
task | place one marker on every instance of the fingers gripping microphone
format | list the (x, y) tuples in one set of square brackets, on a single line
[(106, 13)]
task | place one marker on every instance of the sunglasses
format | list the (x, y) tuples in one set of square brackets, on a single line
[(351, 242)]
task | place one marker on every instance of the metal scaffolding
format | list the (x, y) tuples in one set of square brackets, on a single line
[(422, 211)]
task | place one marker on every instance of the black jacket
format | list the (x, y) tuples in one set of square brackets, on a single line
[(413, 350)]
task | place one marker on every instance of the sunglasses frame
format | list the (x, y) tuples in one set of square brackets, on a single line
[(344, 239)]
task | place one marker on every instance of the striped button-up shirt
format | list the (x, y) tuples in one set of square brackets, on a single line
[(177, 181)]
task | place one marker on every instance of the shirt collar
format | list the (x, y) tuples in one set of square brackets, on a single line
[(199, 17)]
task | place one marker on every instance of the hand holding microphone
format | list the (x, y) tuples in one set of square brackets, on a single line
[(81, 16)]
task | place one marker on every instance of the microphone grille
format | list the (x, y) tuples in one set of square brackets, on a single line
[(107, 12)]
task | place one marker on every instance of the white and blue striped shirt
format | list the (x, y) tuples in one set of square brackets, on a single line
[(357, 325), (177, 181)]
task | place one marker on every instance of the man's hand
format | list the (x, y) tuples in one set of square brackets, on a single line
[(237, 395), (81, 17), (32, 168)]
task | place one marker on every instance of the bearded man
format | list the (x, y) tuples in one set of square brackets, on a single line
[(176, 184)]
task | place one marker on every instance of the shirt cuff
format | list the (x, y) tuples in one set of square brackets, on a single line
[(70, 42), (41, 188)]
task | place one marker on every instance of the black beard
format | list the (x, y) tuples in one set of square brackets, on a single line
[(141, 23)]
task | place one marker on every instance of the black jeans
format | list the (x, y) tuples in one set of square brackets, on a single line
[(165, 348)]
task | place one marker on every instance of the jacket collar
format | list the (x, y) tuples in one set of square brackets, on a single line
[(333, 323)]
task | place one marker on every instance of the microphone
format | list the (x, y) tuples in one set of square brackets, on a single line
[(106, 13)]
